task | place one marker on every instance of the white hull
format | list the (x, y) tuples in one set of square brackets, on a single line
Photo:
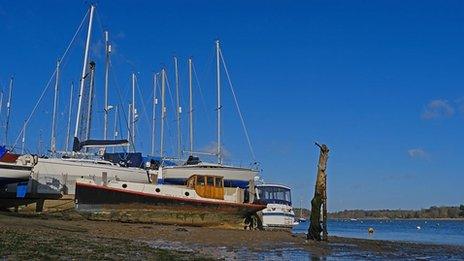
[(61, 174), (231, 195), (278, 216), (16, 172), (8, 176), (233, 176)]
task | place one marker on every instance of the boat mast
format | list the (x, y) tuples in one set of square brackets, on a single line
[(163, 110), (68, 129), (23, 140), (301, 207), (90, 104), (40, 142), (190, 106), (55, 106), (178, 110), (129, 116), (1, 100), (218, 82), (8, 109), (115, 132), (107, 73), (84, 69), (153, 124), (133, 113)]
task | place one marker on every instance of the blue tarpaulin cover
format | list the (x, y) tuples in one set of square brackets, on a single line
[(21, 189), (3, 151)]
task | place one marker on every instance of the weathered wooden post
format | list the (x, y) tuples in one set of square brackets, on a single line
[(318, 225)]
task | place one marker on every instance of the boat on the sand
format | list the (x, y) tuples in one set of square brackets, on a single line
[(279, 211), (203, 201), (14, 167)]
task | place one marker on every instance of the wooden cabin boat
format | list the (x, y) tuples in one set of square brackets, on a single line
[(202, 201)]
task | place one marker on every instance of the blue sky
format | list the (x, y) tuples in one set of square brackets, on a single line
[(380, 82)]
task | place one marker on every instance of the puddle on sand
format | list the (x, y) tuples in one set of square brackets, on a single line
[(339, 252)]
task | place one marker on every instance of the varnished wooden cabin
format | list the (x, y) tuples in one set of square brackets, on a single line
[(207, 186)]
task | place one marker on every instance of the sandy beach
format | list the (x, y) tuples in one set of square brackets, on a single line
[(69, 236)]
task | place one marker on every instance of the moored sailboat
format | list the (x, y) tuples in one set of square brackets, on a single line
[(61, 171), (234, 176), (15, 168)]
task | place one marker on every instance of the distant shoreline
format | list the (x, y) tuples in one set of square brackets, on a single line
[(439, 213), (386, 218)]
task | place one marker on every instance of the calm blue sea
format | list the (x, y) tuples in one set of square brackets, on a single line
[(450, 232), (443, 232)]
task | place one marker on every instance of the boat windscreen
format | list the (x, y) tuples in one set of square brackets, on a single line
[(275, 195)]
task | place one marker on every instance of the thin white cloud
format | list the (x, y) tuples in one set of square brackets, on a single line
[(418, 153), (212, 148), (460, 105), (437, 109)]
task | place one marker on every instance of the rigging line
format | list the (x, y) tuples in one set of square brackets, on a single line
[(209, 64), (50, 80), (170, 133), (99, 21), (158, 95), (238, 107), (121, 104), (170, 93), (202, 96), (142, 102), (118, 88)]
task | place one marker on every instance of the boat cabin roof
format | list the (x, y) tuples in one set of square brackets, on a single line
[(212, 176), (273, 185)]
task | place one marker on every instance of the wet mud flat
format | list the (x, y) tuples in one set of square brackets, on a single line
[(67, 235)]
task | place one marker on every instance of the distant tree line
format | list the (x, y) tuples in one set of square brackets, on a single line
[(301, 212), (432, 212)]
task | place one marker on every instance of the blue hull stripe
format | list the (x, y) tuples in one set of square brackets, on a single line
[(278, 214), (227, 182)]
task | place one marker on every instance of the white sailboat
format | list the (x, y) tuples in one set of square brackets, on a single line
[(15, 168), (233, 176), (61, 173)]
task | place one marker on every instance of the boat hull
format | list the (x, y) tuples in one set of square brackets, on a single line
[(106, 203), (278, 220), (10, 173), (61, 175)]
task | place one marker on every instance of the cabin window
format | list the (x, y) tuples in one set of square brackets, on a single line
[(191, 183), (274, 194), (200, 180), (218, 182), (210, 181)]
